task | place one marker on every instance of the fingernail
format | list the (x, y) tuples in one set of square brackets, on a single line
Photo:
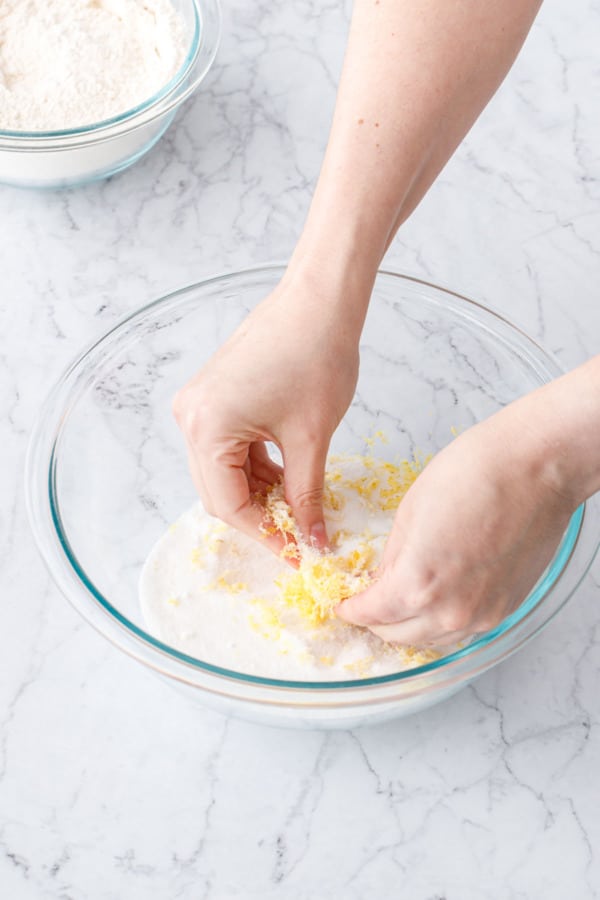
[(318, 535)]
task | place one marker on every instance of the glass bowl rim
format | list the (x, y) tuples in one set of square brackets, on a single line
[(48, 544), (161, 102)]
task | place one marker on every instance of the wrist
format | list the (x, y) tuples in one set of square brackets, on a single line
[(331, 279), (560, 426), (338, 250)]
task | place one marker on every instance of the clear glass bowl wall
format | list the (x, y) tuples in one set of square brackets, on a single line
[(56, 159), (107, 473)]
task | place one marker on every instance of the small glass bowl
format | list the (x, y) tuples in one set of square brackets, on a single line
[(107, 473), (56, 159)]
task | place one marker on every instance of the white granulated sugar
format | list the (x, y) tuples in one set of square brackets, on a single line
[(70, 63)]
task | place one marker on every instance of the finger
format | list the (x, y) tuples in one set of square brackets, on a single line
[(258, 486), (227, 486), (418, 632), (263, 467), (415, 632), (196, 474), (377, 605), (452, 639), (304, 475)]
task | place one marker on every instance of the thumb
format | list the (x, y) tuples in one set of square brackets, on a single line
[(304, 475), (373, 606)]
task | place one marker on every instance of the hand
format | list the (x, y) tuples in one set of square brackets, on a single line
[(470, 539), (287, 375)]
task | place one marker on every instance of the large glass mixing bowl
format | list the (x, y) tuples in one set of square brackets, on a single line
[(107, 473)]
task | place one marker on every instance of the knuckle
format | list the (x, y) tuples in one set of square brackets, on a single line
[(192, 413), (454, 618), (423, 589), (193, 424), (488, 622), (178, 405), (307, 499), (417, 600), (314, 436), (182, 404)]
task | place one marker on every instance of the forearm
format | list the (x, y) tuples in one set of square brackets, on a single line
[(415, 78), (558, 427)]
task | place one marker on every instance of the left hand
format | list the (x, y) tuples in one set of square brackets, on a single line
[(470, 539)]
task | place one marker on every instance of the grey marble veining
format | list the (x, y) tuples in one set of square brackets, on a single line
[(111, 786)]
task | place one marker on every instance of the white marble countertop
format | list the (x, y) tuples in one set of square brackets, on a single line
[(113, 787)]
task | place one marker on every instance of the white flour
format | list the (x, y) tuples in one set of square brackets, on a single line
[(69, 63), (217, 595)]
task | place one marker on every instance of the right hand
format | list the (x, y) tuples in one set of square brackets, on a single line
[(286, 375)]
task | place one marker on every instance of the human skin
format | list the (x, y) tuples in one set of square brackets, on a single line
[(415, 78), (482, 522)]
